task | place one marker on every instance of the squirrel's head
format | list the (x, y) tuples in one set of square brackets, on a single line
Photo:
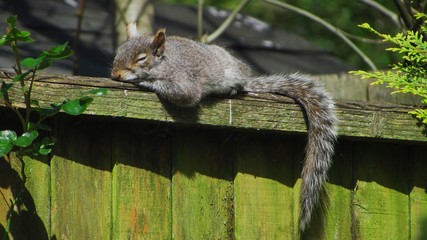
[(138, 55)]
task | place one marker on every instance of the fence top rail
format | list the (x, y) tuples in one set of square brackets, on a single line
[(260, 112)]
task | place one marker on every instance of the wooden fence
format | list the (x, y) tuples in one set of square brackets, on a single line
[(134, 168)]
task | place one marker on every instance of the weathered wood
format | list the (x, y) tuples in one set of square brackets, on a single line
[(381, 203), (418, 190), (346, 87), (37, 172), (141, 183), (32, 220), (263, 187), (268, 112), (349, 87), (125, 176), (202, 189), (81, 180), (340, 191)]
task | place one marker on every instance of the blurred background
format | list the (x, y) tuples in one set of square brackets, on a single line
[(270, 37)]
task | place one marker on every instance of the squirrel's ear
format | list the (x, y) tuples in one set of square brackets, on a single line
[(158, 43), (131, 30)]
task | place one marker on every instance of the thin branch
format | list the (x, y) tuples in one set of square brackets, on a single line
[(405, 13), (28, 101), (328, 26), (385, 11), (77, 36), (362, 39), (200, 19), (227, 22), (16, 111)]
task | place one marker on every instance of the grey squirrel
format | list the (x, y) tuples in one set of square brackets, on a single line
[(184, 71)]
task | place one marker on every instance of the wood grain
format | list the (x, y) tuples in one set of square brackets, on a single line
[(261, 111)]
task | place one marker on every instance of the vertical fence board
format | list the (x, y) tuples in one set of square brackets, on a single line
[(37, 201), (141, 183), (7, 186), (381, 193), (263, 187), (81, 180), (33, 220), (339, 190), (202, 190), (418, 194), (31, 216)]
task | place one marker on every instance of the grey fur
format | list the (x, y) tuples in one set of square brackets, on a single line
[(184, 71)]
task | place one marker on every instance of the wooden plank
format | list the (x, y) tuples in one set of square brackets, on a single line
[(37, 200), (265, 111), (381, 203), (81, 179), (32, 220), (418, 195), (31, 217), (141, 182), (202, 189), (346, 86), (263, 187), (340, 190)]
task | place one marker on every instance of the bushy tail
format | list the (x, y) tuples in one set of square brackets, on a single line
[(322, 127)]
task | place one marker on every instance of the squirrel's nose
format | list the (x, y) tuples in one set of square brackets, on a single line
[(115, 75)]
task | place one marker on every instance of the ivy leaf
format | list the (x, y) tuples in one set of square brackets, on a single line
[(23, 36), (76, 106), (57, 52), (5, 39), (46, 145), (34, 103), (44, 127), (21, 76), (7, 139), (26, 139), (48, 112), (11, 21), (3, 90), (33, 63)]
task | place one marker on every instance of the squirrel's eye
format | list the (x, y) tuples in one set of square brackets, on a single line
[(141, 58)]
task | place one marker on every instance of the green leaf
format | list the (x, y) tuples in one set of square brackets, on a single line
[(57, 52), (76, 106), (46, 146), (48, 112), (44, 127), (23, 36), (33, 63), (5, 40), (7, 139), (21, 76), (11, 21), (26, 139), (8, 134), (3, 90), (96, 92), (34, 103)]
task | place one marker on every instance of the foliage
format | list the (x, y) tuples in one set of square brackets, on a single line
[(409, 75), (29, 142), (344, 15)]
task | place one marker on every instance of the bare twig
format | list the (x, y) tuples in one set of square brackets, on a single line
[(200, 19), (227, 22), (385, 11), (362, 39), (77, 37), (328, 26), (405, 13)]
